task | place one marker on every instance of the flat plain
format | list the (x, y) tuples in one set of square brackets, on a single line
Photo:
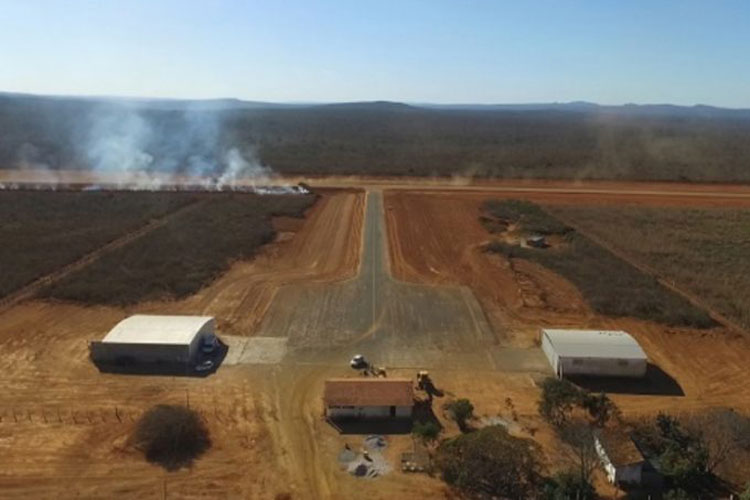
[(396, 271)]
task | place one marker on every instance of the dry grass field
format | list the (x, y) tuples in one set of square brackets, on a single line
[(626, 291), (365, 269), (185, 254), (705, 251), (42, 231)]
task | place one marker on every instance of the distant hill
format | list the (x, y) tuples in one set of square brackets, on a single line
[(577, 140)]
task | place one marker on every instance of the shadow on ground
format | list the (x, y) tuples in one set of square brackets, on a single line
[(657, 382), (374, 426), (132, 367)]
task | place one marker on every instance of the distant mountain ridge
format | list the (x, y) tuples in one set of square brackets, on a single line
[(219, 104)]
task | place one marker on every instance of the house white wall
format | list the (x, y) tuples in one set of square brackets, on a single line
[(631, 473), (368, 411)]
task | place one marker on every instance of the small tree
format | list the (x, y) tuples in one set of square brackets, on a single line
[(427, 431), (683, 457), (678, 494), (171, 436), (582, 450), (600, 408), (462, 411), (725, 432), (558, 398), (491, 462), (567, 485)]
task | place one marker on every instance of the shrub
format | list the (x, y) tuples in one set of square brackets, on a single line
[(171, 436), (427, 431), (559, 396), (600, 408), (682, 456), (567, 485), (462, 411), (491, 462)]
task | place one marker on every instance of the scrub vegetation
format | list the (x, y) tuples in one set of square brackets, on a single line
[(382, 138), (42, 231), (171, 436), (187, 253), (702, 250), (610, 285)]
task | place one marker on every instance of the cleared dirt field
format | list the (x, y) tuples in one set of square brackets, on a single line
[(398, 277)]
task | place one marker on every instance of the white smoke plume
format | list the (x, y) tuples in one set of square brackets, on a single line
[(134, 147)]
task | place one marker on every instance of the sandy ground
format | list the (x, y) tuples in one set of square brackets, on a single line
[(405, 284)]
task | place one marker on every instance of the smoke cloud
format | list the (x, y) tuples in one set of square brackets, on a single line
[(137, 147)]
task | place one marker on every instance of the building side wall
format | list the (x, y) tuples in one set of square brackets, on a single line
[(121, 353), (549, 351), (606, 463), (403, 411), (630, 474), (608, 367), (367, 411)]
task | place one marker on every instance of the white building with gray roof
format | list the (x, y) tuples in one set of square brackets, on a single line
[(154, 339), (604, 353)]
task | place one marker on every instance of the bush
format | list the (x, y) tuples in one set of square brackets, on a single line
[(171, 436), (491, 462), (567, 485), (427, 431), (462, 411), (682, 456), (559, 396), (600, 408)]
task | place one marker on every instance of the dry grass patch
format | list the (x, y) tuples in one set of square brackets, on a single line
[(704, 251)]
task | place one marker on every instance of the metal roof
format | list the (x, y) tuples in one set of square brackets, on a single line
[(148, 329), (594, 344), (369, 392)]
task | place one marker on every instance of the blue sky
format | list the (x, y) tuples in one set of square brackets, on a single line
[(606, 51)]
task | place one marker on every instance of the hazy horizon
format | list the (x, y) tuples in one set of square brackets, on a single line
[(611, 53), (374, 100)]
